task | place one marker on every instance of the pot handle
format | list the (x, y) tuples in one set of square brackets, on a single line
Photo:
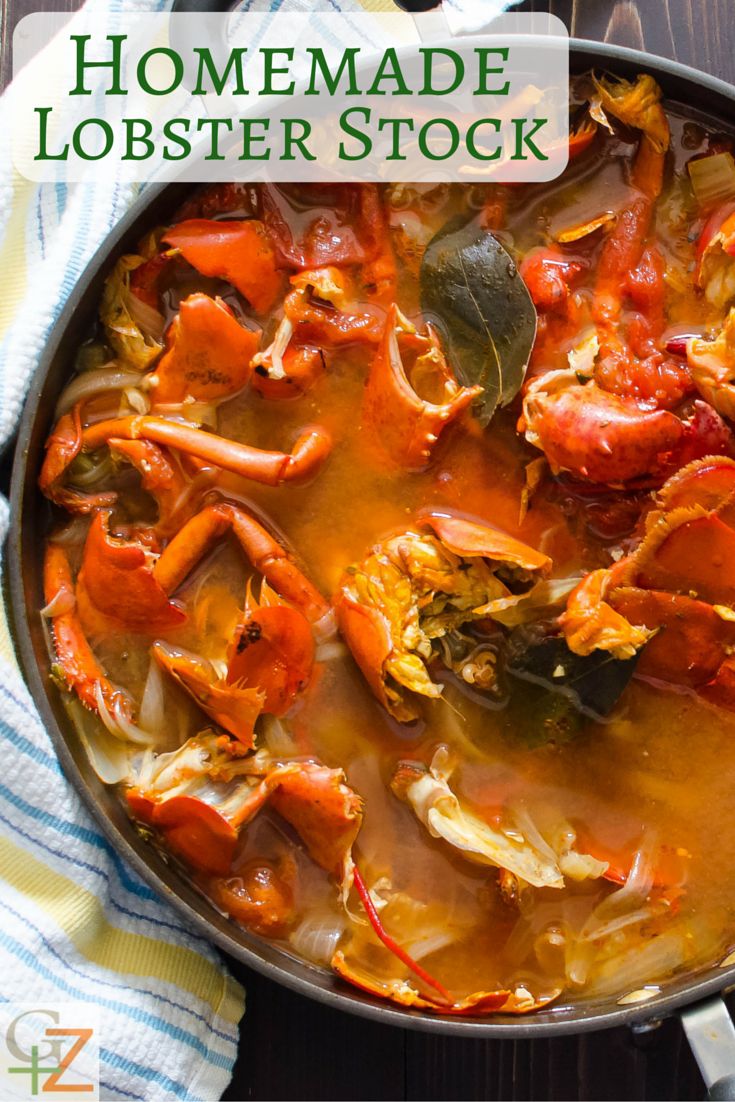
[(711, 1035)]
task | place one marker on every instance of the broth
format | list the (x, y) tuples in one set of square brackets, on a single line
[(644, 790)]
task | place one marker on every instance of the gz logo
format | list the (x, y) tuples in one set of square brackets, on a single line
[(49, 1050)]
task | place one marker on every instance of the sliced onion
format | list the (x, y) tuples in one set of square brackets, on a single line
[(63, 602), (641, 875), (713, 179), (614, 912), (550, 949), (189, 413), (318, 936), (605, 929), (95, 382), (119, 725), (584, 229), (144, 768), (581, 866), (152, 713), (73, 532), (578, 961), (642, 964), (149, 320), (531, 833), (96, 473), (278, 739), (109, 757), (642, 995), (329, 652), (133, 733), (425, 946), (137, 399)]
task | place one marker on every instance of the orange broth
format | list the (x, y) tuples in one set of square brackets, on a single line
[(662, 767)]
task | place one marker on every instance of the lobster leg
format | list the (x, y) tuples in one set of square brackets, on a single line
[(78, 665), (62, 447), (270, 468), (266, 555), (621, 253), (161, 478)]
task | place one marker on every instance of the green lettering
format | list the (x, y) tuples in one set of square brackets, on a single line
[(389, 69), (527, 139), (429, 88), (178, 71), (218, 82), (43, 154), (454, 139), (345, 123), (132, 139), (483, 53), (214, 125), (271, 70), (332, 80), (395, 125), (82, 65), (291, 139), (106, 130), (471, 139), (249, 139), (171, 136)]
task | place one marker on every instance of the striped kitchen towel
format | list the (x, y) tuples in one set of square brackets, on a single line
[(77, 925)]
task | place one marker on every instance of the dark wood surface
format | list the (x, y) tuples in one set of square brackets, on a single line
[(292, 1048)]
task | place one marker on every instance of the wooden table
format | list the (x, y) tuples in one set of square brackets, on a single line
[(292, 1048)]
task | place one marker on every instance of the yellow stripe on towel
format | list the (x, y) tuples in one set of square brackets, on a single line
[(379, 5), (13, 250), (81, 916)]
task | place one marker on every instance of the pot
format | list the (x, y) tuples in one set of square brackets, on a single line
[(695, 997)]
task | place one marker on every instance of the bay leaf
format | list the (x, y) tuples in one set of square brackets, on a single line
[(472, 291), (593, 683)]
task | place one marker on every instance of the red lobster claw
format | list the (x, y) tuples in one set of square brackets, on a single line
[(208, 353), (77, 664), (62, 447), (205, 834), (240, 252), (690, 637), (273, 651), (117, 589), (402, 423), (233, 707)]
